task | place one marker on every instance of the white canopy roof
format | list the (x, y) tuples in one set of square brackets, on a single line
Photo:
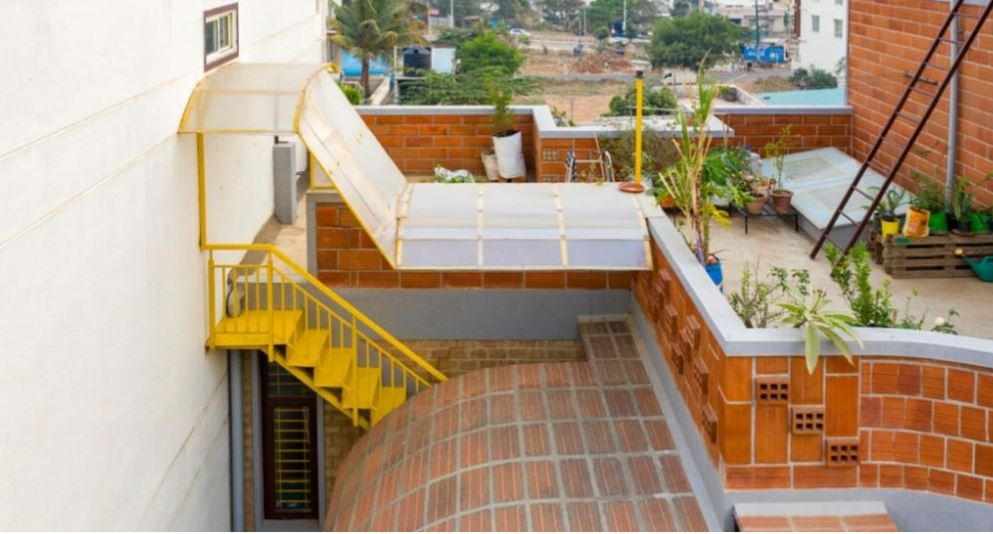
[(424, 226)]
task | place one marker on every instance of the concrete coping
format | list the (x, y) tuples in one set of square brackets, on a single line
[(738, 340), (545, 123), (809, 509), (782, 110)]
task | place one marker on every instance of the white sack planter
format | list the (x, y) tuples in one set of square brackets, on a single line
[(490, 165), (510, 155)]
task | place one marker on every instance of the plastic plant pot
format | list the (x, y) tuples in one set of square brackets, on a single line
[(979, 222), (716, 273), (938, 222), (889, 226)]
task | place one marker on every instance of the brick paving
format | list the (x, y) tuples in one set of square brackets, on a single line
[(568, 446)]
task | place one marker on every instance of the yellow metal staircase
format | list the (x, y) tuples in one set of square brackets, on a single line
[(260, 299)]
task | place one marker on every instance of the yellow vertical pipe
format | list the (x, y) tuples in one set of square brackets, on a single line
[(202, 188), (639, 87), (211, 302)]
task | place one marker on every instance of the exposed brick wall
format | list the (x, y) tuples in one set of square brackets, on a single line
[(347, 257), (807, 132), (551, 154), (920, 425), (887, 40), (455, 141)]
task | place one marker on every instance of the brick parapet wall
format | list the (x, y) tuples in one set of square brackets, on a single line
[(936, 414), (418, 142), (807, 131), (348, 257), (887, 41)]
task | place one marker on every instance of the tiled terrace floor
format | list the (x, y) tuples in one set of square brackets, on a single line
[(553, 446)]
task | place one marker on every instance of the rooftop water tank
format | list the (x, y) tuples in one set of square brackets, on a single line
[(416, 61)]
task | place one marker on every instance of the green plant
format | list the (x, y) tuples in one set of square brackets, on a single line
[(754, 300), (851, 272), (488, 50), (659, 101), (777, 149), (929, 196), (728, 92), (813, 78), (809, 313), (371, 28), (727, 169), (694, 41), (657, 152), (464, 89), (445, 176), (888, 205), (945, 326), (503, 120), (962, 198), (686, 183), (352, 93)]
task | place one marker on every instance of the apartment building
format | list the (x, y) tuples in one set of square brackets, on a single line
[(114, 415), (823, 40)]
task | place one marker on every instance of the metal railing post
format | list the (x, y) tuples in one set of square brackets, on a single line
[(355, 372), (272, 308), (211, 302)]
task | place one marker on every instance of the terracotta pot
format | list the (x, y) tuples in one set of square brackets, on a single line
[(782, 200), (917, 222), (757, 205), (666, 202)]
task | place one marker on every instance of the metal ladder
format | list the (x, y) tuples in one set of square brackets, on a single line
[(915, 86)]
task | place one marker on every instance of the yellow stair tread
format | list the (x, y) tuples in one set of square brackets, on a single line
[(333, 367), (251, 326), (361, 394), (387, 399), (308, 348)]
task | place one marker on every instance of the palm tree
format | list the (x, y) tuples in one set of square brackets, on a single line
[(371, 28)]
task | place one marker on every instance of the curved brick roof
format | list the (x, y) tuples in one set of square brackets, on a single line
[(556, 446)]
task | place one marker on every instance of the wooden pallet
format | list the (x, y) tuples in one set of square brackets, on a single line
[(876, 246), (933, 256)]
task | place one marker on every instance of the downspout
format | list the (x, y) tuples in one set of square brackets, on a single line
[(237, 442), (953, 115)]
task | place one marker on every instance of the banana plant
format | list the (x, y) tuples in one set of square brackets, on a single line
[(810, 315)]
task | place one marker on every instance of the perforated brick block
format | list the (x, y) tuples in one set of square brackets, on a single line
[(807, 419), (772, 389), (842, 452)]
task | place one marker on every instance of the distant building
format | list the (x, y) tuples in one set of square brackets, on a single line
[(771, 15), (823, 40)]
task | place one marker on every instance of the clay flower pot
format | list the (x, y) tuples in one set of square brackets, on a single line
[(782, 200)]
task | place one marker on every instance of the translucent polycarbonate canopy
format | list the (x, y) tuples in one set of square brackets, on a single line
[(424, 226), (248, 98)]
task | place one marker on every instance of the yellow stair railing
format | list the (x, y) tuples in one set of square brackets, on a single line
[(265, 301)]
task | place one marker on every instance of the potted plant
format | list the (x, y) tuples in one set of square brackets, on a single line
[(930, 198), (782, 198), (729, 93), (979, 221), (690, 186), (809, 313), (506, 140), (885, 213), (961, 207)]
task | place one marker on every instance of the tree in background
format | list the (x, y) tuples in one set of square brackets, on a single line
[(465, 88), (641, 13), (814, 78), (658, 101), (681, 8), (561, 12), (512, 11), (488, 50), (371, 28), (698, 38)]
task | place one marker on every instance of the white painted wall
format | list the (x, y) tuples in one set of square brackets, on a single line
[(822, 49), (112, 415)]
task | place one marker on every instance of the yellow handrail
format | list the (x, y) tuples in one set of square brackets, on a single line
[(337, 299)]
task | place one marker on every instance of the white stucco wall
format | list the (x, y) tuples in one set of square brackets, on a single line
[(112, 415), (822, 49)]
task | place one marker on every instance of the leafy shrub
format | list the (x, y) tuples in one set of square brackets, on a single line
[(352, 93), (813, 78), (464, 88), (657, 152), (659, 101), (488, 51)]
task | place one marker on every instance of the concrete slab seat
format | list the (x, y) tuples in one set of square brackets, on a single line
[(851, 516), (554, 446)]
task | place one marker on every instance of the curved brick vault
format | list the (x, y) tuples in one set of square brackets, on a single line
[(555, 446)]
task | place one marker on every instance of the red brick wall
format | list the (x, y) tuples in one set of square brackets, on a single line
[(920, 425), (806, 131), (552, 154), (347, 257), (887, 40), (455, 141)]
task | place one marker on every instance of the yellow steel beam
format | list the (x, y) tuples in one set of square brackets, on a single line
[(202, 190), (639, 86)]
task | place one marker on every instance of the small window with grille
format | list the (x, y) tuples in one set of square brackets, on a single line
[(220, 35), (815, 23)]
